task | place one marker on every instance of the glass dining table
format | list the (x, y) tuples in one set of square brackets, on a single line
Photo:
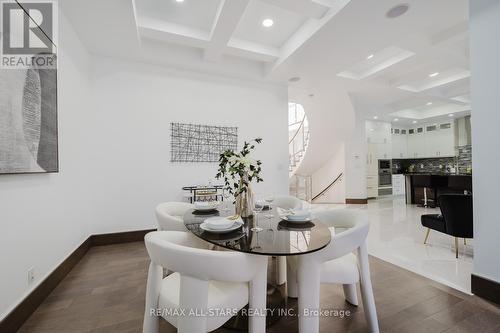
[(277, 238)]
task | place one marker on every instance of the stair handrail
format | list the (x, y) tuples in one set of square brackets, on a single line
[(298, 129), (328, 187)]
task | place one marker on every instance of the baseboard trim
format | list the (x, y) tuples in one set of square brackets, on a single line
[(485, 288), (356, 201), (119, 237), (16, 318)]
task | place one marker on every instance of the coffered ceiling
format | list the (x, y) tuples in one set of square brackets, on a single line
[(235, 27), (387, 65)]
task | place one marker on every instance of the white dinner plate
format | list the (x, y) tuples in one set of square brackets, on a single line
[(219, 222), (295, 220), (205, 207), (237, 224)]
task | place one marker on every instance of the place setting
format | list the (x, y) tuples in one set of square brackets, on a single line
[(206, 207), (295, 219)]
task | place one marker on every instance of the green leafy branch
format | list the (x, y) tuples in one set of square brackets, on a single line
[(238, 170)]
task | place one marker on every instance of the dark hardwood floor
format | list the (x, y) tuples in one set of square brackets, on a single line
[(105, 293)]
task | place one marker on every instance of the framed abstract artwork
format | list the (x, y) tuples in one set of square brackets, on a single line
[(28, 121), (200, 143)]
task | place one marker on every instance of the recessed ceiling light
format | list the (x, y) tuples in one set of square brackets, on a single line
[(451, 115), (369, 57), (267, 23), (414, 122), (429, 103), (179, 0), (397, 10), (396, 119), (375, 117), (294, 79), (434, 74), (372, 129)]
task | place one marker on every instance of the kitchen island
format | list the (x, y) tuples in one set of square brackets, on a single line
[(435, 184)]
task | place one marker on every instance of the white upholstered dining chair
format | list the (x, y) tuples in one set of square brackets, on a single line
[(204, 281), (336, 263), (169, 215), (287, 202)]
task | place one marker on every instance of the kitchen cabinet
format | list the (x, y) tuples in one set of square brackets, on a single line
[(398, 184), (379, 134), (372, 171), (372, 186), (440, 140), (425, 141), (371, 159), (399, 143)]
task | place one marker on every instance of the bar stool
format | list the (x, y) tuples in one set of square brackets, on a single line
[(424, 181)]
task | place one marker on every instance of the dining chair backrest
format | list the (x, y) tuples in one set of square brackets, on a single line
[(457, 213), (174, 250), (287, 202), (169, 215), (349, 229), (197, 267)]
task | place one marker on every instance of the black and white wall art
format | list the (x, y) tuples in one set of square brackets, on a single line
[(201, 143), (28, 121)]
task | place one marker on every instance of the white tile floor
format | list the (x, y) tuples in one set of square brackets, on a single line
[(396, 236)]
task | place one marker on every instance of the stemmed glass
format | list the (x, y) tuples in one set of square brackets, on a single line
[(269, 199), (257, 208), (226, 194)]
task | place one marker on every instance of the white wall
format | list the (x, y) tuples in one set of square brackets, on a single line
[(134, 105), (485, 69), (44, 217), (355, 162), (331, 121), (325, 175)]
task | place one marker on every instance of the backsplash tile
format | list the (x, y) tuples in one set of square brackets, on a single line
[(424, 165), (464, 158), (437, 165)]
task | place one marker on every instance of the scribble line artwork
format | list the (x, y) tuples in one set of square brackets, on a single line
[(200, 143)]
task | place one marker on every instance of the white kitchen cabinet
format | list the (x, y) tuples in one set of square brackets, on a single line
[(379, 133), (440, 140), (372, 186), (416, 143), (399, 143), (446, 140), (372, 170), (371, 159), (398, 185)]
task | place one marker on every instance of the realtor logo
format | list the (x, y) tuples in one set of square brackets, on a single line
[(28, 34)]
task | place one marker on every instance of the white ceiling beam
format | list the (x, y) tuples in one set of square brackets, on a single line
[(451, 35), (310, 8), (305, 32), (228, 16), (172, 33), (251, 50)]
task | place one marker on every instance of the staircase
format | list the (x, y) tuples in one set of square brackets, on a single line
[(298, 134)]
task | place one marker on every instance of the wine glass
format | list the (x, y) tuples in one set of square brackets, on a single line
[(269, 200), (257, 208), (226, 194)]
